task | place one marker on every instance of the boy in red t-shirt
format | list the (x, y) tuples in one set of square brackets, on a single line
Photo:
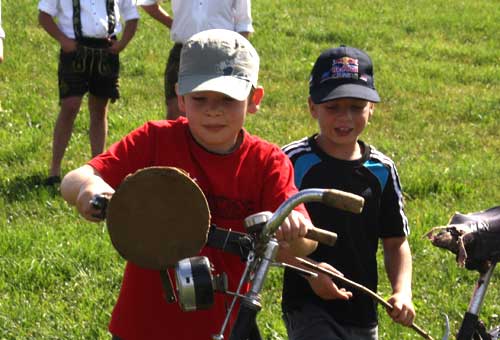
[(240, 174)]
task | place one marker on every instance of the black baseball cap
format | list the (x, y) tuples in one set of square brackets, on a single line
[(342, 72)]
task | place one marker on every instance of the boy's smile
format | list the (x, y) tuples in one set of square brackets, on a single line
[(343, 131)]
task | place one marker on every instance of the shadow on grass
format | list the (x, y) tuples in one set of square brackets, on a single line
[(21, 188)]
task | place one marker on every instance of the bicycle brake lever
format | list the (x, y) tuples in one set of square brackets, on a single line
[(301, 271)]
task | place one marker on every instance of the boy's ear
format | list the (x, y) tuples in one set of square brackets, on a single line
[(312, 108), (372, 108), (255, 100), (181, 103), (180, 99)]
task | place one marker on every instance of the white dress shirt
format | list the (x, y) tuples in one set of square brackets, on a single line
[(193, 16), (94, 16)]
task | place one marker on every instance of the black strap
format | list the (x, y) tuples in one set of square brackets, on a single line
[(110, 6), (168, 287), (77, 21), (229, 241)]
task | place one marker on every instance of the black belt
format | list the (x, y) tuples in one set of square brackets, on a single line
[(95, 42)]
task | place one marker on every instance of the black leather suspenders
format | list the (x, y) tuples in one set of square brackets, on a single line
[(77, 22)]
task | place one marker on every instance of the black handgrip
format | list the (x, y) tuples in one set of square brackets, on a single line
[(100, 202), (245, 327)]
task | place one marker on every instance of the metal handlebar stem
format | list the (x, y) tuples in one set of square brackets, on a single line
[(262, 268), (245, 327)]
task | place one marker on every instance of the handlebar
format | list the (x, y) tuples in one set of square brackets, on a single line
[(334, 198), (258, 263)]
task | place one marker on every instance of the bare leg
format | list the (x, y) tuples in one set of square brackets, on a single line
[(98, 130), (1, 50), (62, 132), (173, 111)]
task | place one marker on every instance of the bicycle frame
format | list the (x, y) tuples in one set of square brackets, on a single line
[(469, 326)]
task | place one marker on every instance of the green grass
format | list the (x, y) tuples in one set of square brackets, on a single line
[(437, 66)]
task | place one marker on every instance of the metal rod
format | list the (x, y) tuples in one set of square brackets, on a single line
[(477, 299), (237, 294), (363, 289)]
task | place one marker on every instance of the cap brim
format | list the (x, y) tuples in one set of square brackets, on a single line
[(231, 86), (345, 91)]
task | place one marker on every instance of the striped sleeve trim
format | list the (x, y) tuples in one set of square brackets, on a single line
[(375, 154), (297, 147)]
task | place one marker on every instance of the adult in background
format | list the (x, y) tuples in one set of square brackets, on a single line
[(87, 31), (2, 34), (190, 17)]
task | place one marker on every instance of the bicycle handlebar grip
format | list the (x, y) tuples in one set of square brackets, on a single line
[(343, 200), (100, 203), (323, 236)]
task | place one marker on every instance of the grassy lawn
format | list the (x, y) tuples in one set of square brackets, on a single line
[(437, 70)]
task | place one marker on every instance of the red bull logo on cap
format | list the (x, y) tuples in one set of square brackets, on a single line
[(345, 67), (342, 68)]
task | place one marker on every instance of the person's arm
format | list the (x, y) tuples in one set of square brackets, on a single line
[(1, 50), (49, 25), (398, 265), (243, 18), (79, 186), (158, 13), (128, 33), (245, 34)]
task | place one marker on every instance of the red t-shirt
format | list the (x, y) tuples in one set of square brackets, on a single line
[(255, 177)]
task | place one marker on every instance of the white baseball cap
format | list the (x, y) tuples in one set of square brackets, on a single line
[(218, 60)]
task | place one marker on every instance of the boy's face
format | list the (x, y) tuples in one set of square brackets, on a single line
[(215, 119), (341, 121)]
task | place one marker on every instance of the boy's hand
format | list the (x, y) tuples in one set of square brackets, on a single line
[(325, 288), (80, 186), (290, 235), (293, 227), (68, 45), (85, 206), (403, 311), (115, 46)]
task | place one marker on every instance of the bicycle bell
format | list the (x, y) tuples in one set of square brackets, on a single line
[(196, 284)]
